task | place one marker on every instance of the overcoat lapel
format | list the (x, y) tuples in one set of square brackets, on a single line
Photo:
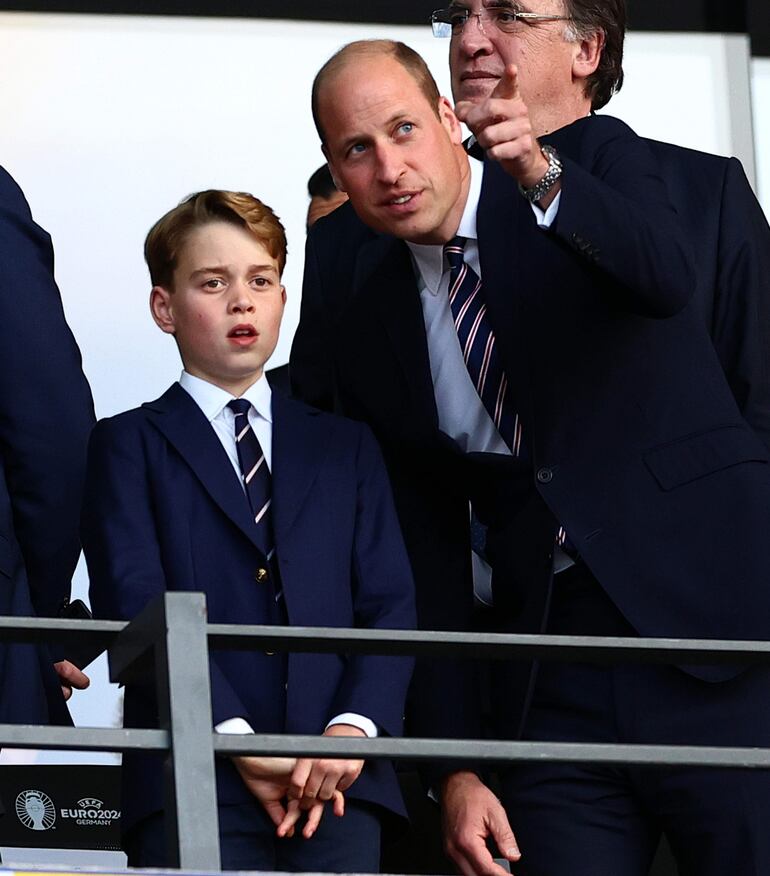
[(176, 415), (300, 440)]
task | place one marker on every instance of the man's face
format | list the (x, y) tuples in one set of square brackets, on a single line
[(401, 164), (226, 305), (478, 55)]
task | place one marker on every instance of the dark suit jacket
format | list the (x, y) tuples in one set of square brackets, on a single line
[(164, 510), (46, 414), (730, 239), (636, 442)]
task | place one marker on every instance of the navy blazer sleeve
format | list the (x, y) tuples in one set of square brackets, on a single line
[(46, 411), (375, 685)]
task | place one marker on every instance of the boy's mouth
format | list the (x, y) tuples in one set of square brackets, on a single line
[(243, 334)]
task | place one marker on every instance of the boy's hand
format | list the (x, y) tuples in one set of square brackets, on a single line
[(267, 778), (313, 809), (319, 778)]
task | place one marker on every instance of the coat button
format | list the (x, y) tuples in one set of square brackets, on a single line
[(270, 653), (261, 575), (544, 475)]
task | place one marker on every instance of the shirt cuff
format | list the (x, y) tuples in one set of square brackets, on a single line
[(546, 218), (234, 726), (368, 726)]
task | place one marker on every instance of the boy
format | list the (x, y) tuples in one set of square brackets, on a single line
[(280, 514)]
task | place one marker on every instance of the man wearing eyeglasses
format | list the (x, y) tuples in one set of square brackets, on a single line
[(517, 333)]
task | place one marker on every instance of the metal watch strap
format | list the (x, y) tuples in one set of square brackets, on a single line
[(541, 189)]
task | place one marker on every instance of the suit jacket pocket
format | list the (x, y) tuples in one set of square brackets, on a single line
[(696, 456)]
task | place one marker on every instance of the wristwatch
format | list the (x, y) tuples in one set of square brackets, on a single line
[(541, 189)]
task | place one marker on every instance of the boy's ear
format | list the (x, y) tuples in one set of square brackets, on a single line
[(283, 294), (160, 307)]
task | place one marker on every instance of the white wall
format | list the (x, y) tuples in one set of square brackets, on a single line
[(110, 121), (760, 85)]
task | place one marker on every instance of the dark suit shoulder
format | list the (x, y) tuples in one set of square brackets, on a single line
[(340, 231), (294, 409)]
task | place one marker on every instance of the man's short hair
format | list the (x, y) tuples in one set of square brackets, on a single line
[(321, 184), (413, 63), (169, 234), (609, 16)]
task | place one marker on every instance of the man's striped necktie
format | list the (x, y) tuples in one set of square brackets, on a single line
[(477, 342)]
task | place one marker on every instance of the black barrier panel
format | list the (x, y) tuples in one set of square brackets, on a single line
[(60, 807)]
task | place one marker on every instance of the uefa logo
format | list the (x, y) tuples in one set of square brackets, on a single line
[(35, 810)]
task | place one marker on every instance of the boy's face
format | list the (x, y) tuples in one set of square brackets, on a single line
[(226, 306)]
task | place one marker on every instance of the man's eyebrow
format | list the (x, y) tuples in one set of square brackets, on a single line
[(400, 116)]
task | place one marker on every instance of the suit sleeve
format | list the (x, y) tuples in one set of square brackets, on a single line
[(121, 538), (46, 411), (740, 327), (616, 216), (383, 597)]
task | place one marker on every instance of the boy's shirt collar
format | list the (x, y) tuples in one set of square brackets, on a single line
[(212, 399)]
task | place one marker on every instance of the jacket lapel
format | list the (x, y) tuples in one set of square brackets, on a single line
[(184, 425), (301, 436)]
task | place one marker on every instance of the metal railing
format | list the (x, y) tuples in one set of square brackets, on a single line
[(171, 638)]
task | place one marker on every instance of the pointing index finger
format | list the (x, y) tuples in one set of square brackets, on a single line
[(508, 86)]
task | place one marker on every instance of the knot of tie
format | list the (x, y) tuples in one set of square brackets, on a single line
[(455, 252), (239, 406)]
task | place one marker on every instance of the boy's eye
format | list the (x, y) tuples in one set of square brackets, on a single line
[(213, 283), (262, 282), (406, 128)]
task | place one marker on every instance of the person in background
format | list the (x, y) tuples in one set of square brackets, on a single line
[(46, 415), (324, 195)]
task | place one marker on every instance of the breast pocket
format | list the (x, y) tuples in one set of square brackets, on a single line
[(696, 456)]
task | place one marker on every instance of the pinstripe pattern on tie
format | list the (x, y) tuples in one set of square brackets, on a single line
[(255, 473), (477, 342)]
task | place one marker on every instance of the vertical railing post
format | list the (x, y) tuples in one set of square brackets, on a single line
[(184, 701)]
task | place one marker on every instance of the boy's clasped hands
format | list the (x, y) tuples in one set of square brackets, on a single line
[(289, 787)]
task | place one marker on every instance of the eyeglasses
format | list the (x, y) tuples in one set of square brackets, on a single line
[(450, 22)]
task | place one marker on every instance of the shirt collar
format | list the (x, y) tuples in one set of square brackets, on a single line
[(212, 399), (429, 258)]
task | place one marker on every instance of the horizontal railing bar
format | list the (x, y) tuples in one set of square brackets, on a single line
[(500, 646), (82, 738), (487, 751)]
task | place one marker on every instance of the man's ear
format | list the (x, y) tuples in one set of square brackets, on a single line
[(332, 170), (449, 121), (588, 54), (161, 310), (283, 294)]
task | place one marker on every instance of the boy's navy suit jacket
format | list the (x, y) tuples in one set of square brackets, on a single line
[(165, 510)]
